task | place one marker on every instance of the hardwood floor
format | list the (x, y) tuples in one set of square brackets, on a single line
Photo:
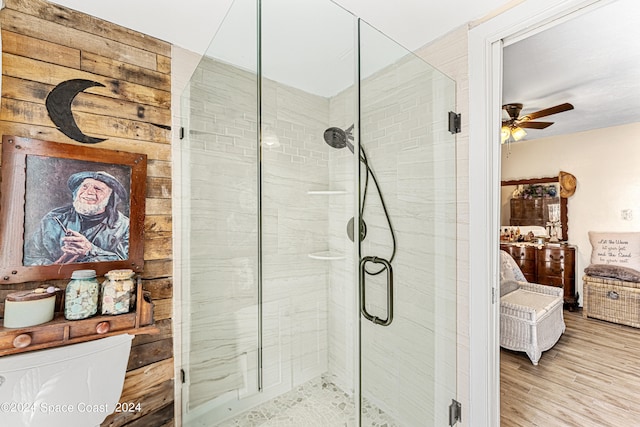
[(591, 377)]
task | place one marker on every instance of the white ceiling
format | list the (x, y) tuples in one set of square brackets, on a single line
[(191, 24), (307, 44), (591, 61)]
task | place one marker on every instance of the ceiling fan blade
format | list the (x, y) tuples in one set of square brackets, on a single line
[(547, 111), (535, 125)]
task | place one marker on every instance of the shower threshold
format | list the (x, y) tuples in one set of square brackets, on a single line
[(316, 403)]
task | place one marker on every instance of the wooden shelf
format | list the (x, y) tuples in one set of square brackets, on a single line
[(60, 331)]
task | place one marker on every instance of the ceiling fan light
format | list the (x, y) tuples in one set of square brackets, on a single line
[(505, 132), (518, 133)]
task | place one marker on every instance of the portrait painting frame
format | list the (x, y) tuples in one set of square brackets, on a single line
[(39, 175)]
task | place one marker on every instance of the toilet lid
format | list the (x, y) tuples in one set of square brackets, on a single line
[(18, 362), (78, 384)]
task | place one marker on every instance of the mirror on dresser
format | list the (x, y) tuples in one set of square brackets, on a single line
[(530, 206)]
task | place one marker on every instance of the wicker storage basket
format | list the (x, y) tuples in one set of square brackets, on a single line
[(612, 300)]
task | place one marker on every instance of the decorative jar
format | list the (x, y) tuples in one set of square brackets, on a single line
[(81, 295), (29, 308), (118, 292)]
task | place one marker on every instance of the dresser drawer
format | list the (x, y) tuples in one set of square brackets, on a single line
[(528, 268), (547, 265), (556, 255), (556, 269), (93, 325), (553, 281), (525, 257), (520, 253), (34, 336)]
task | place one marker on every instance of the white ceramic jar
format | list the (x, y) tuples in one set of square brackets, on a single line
[(28, 308)]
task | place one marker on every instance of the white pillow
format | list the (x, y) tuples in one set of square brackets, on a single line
[(616, 248)]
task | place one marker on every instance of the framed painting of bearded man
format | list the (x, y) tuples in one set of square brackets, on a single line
[(66, 207)]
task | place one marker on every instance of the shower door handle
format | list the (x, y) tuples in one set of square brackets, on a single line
[(363, 273)]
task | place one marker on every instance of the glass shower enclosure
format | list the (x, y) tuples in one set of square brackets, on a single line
[(318, 225)]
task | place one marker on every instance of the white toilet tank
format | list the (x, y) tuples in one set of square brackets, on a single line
[(77, 385)]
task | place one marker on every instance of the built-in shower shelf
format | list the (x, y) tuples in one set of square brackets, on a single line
[(327, 255), (326, 192)]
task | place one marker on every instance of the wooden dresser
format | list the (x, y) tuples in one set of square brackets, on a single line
[(547, 265)]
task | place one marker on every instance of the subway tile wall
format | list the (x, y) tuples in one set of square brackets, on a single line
[(310, 305)]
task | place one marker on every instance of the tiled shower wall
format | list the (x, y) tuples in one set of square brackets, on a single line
[(223, 212), (294, 225), (309, 304)]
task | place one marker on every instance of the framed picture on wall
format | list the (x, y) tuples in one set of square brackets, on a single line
[(65, 207)]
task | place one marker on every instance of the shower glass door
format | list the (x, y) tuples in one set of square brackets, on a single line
[(408, 258), (318, 225), (218, 226), (308, 190)]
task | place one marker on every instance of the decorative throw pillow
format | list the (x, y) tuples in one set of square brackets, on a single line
[(613, 272), (616, 248)]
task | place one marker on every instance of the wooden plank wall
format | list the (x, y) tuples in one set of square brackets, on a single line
[(44, 44)]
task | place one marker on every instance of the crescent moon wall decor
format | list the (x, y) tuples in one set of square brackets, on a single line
[(59, 107)]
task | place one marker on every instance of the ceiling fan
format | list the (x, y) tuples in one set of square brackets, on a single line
[(515, 125)]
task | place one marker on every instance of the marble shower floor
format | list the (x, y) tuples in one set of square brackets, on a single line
[(317, 403)]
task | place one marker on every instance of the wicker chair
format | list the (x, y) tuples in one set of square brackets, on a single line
[(531, 317)]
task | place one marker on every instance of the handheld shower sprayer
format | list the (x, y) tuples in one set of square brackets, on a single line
[(339, 138)]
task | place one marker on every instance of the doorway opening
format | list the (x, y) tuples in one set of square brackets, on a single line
[(486, 43)]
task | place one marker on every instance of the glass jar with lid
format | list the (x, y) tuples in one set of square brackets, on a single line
[(118, 292), (81, 295)]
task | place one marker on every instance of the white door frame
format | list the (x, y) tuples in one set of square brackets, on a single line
[(485, 94)]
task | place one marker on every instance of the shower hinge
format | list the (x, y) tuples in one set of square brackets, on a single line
[(455, 122), (183, 375), (455, 412)]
